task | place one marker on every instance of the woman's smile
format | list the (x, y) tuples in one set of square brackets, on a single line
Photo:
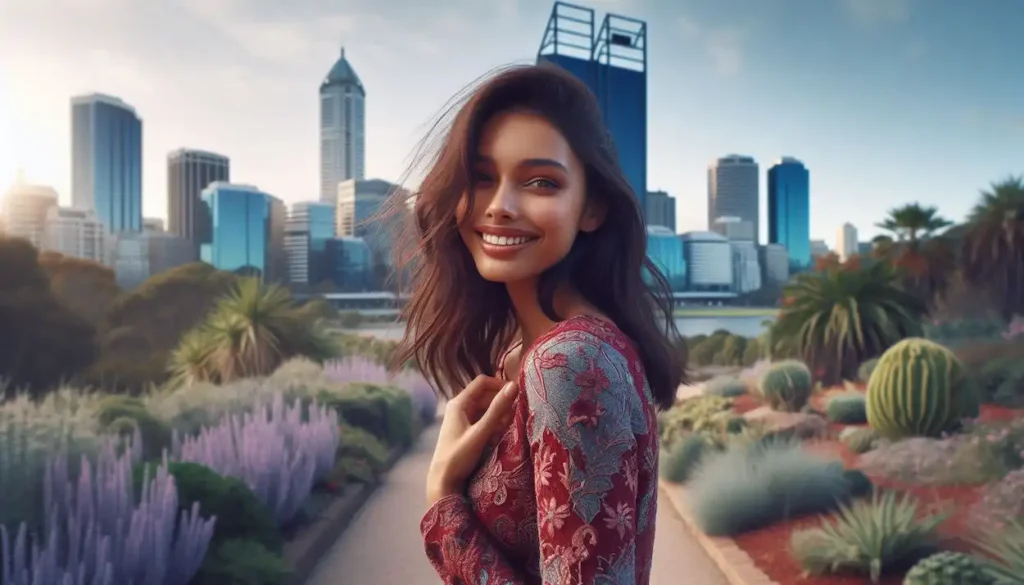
[(502, 242)]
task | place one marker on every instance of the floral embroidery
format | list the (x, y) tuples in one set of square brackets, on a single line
[(568, 495)]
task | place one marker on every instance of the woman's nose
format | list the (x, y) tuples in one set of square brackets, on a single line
[(503, 202)]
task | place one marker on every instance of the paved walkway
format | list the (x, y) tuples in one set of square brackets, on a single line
[(382, 545)]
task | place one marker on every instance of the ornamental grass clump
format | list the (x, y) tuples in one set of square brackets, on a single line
[(757, 484), (277, 453), (99, 533), (1005, 550), (868, 536)]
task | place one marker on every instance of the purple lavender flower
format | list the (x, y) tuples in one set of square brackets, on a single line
[(357, 369), (272, 449), (97, 535)]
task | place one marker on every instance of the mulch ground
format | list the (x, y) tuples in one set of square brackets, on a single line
[(769, 546)]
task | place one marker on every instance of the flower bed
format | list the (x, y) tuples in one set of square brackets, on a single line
[(966, 481), (265, 457)]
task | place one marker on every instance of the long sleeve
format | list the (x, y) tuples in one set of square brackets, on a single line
[(585, 413)]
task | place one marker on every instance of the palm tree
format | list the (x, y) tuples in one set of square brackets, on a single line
[(913, 221), (925, 269), (993, 249), (835, 320), (251, 332)]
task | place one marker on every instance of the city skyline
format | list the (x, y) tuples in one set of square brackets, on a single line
[(907, 102)]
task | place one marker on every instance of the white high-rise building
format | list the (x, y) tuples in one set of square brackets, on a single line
[(733, 191), (342, 129), (846, 241), (76, 232), (709, 261), (25, 208)]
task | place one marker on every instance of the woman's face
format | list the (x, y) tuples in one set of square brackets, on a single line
[(529, 202)]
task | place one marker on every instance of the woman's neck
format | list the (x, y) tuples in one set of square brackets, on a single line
[(530, 317)]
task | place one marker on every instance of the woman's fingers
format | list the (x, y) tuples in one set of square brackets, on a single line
[(496, 415)]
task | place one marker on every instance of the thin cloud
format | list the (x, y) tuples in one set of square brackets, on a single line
[(877, 12), (723, 45)]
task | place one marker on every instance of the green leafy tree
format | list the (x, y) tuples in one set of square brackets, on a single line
[(993, 247), (251, 331), (925, 264), (43, 342), (835, 320)]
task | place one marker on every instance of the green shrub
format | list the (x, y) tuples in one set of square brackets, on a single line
[(860, 483), (350, 470), (240, 514), (948, 568), (1001, 381), (865, 370), (727, 386), (385, 412), (754, 485), (116, 414), (918, 389), (695, 414), (868, 536), (787, 385), (677, 464), (859, 439), (849, 409), (360, 444), (242, 562)]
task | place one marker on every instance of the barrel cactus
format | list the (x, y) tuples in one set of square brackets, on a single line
[(918, 389), (786, 385), (948, 568)]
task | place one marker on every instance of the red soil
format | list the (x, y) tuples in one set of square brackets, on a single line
[(769, 546)]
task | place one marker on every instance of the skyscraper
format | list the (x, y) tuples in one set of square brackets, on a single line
[(188, 173), (106, 161), (611, 58), (733, 191), (342, 129), (789, 211), (247, 234), (25, 209), (846, 241), (661, 210), (310, 225)]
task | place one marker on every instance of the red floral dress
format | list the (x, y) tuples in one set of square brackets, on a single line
[(568, 494)]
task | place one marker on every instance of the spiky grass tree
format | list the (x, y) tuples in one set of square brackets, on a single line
[(251, 331), (836, 319), (993, 248)]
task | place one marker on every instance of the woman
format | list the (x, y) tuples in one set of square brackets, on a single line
[(530, 312)]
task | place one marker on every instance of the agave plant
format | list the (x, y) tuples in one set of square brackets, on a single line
[(1006, 551), (251, 332), (993, 248), (837, 319), (868, 536)]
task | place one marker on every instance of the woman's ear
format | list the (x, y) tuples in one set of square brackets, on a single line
[(593, 216)]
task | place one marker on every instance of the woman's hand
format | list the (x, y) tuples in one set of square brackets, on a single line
[(480, 411)]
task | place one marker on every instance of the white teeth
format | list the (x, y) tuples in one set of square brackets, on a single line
[(504, 240)]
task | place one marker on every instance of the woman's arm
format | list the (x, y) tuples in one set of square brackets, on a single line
[(585, 413)]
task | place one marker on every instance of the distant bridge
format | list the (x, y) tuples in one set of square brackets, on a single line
[(381, 302)]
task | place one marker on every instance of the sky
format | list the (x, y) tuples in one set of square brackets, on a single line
[(886, 101)]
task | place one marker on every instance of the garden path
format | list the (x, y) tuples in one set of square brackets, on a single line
[(382, 545)]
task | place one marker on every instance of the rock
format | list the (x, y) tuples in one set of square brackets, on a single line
[(804, 425)]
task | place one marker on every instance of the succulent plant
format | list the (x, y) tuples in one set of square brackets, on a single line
[(787, 385), (948, 568)]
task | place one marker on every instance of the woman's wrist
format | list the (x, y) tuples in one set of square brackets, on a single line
[(438, 488)]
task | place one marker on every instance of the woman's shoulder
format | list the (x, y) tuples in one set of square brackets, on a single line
[(586, 343)]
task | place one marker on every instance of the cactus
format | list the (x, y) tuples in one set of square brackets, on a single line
[(787, 385), (918, 389), (948, 568), (865, 370), (848, 409), (859, 439)]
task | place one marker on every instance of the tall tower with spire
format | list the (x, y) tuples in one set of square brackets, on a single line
[(342, 129)]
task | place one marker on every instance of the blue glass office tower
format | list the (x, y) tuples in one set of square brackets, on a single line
[(246, 226), (789, 211), (665, 250), (612, 61), (106, 161)]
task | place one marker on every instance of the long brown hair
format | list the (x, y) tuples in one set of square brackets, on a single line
[(458, 324)]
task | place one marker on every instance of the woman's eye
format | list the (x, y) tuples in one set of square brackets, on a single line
[(543, 184)]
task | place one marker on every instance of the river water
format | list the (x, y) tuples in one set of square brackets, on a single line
[(689, 326)]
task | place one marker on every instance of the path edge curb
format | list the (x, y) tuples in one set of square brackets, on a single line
[(732, 561), (304, 551)]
